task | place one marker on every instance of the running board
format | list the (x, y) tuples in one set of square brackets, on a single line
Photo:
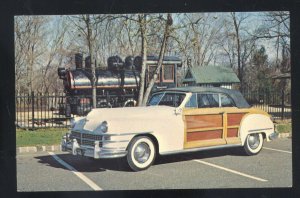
[(200, 149)]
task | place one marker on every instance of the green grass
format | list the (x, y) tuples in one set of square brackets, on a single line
[(284, 128), (40, 137)]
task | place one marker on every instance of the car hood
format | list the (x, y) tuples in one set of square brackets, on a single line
[(131, 119)]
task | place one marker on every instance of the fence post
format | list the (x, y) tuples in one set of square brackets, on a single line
[(32, 108), (282, 104)]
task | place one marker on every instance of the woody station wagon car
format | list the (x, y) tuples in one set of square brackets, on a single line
[(176, 120)]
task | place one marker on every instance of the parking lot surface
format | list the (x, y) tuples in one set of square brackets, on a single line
[(223, 168)]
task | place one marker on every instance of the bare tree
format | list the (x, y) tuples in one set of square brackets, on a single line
[(87, 25), (237, 43), (20, 47), (277, 30), (196, 37), (56, 44), (29, 35), (218, 38), (143, 31), (169, 22), (237, 26)]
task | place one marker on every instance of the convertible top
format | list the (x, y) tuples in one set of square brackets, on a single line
[(238, 98)]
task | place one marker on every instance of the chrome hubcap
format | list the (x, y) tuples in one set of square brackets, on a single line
[(253, 141), (142, 152)]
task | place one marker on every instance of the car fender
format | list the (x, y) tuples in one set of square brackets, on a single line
[(254, 123), (122, 140)]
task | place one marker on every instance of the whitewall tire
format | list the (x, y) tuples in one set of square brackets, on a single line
[(141, 153), (253, 143)]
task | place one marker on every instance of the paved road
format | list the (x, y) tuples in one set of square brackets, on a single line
[(227, 168)]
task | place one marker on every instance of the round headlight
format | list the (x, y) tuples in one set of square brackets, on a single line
[(103, 127)]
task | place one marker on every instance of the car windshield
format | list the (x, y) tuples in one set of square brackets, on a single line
[(167, 99)]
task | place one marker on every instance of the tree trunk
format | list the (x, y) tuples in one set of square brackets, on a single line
[(91, 54), (30, 69), (160, 60), (142, 21), (236, 27)]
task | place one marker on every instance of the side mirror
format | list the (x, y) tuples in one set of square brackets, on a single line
[(178, 111)]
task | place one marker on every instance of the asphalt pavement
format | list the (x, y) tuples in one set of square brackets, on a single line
[(223, 168)]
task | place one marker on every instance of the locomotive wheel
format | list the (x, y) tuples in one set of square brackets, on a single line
[(129, 103), (104, 104)]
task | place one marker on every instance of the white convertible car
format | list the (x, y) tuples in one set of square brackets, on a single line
[(176, 120)]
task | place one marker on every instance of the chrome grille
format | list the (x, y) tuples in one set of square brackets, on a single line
[(75, 134), (86, 139), (91, 136), (88, 143)]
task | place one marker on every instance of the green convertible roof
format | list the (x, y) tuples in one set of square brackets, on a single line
[(210, 74)]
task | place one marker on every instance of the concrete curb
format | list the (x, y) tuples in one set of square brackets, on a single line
[(34, 149), (284, 135)]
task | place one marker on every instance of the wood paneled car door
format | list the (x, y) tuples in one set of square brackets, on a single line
[(215, 122)]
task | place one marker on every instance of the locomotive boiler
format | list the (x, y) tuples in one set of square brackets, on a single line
[(116, 86)]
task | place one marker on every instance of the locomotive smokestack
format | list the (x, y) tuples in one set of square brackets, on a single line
[(78, 60), (129, 62), (115, 63)]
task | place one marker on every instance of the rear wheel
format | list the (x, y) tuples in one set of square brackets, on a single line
[(141, 153), (253, 143)]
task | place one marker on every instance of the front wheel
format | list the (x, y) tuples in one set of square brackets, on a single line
[(253, 143), (141, 153)]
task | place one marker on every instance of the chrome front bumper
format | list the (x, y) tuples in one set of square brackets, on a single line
[(73, 147)]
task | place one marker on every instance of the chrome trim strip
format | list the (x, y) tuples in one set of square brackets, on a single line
[(106, 141), (113, 148), (83, 131), (124, 134), (117, 155), (254, 130), (112, 141), (112, 152), (200, 149)]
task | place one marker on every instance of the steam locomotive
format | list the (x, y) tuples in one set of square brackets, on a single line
[(117, 85)]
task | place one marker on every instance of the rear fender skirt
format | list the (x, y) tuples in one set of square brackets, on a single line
[(255, 123)]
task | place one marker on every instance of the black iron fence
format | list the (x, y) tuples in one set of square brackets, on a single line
[(276, 103), (40, 111), (50, 110)]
